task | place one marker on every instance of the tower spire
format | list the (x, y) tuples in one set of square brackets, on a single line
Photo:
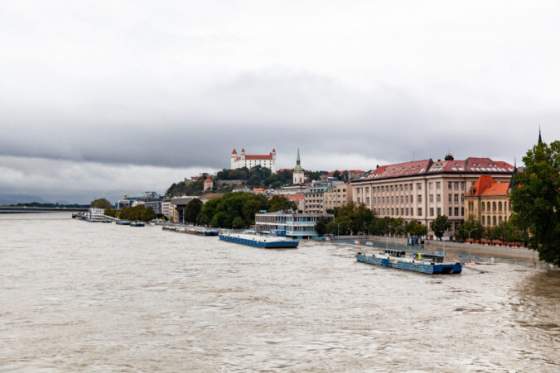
[(298, 161), (540, 136)]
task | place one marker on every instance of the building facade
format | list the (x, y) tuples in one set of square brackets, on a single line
[(252, 160), (487, 201), (339, 194), (299, 173), (289, 224), (422, 190), (313, 201)]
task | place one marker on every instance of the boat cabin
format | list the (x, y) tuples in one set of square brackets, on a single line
[(433, 257), (396, 253)]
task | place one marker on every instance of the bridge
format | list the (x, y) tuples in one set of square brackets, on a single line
[(28, 209)]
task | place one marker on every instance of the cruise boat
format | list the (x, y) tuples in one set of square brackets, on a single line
[(421, 262), (264, 242)]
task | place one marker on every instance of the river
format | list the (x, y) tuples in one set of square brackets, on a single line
[(77, 296)]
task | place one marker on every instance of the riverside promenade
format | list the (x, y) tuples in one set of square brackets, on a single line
[(506, 252)]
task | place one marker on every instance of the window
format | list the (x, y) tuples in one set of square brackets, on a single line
[(438, 197), (500, 206), (439, 211), (493, 206), (430, 185), (450, 185), (456, 198), (456, 186), (419, 198), (431, 211), (494, 220), (438, 185), (418, 186), (419, 211), (431, 198), (450, 211), (456, 211), (450, 197)]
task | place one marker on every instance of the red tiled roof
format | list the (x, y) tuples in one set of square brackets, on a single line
[(401, 169), (427, 166), (488, 186), (295, 197), (251, 157)]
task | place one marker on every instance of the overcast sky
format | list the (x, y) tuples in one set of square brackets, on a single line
[(107, 97)]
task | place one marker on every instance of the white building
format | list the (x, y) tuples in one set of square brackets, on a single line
[(288, 223), (252, 160), (298, 174)]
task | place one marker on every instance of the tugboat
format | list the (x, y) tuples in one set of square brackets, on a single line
[(263, 242), (431, 264)]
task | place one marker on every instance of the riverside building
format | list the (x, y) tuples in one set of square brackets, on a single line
[(487, 201), (422, 190), (289, 224), (252, 160)]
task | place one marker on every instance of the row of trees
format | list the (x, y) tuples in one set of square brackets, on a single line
[(355, 219), (136, 213), (233, 210), (507, 231)]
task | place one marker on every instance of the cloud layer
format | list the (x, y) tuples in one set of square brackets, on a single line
[(117, 87)]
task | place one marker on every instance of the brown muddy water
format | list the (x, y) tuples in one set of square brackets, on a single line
[(76, 296)]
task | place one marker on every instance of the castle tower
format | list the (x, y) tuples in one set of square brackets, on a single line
[(299, 174)]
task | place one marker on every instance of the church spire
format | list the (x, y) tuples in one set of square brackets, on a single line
[(540, 136), (298, 161)]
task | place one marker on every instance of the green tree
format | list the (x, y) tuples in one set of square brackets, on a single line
[(321, 226), (415, 228), (101, 203), (440, 225), (470, 229), (278, 203), (238, 223), (535, 198), (139, 212), (192, 210)]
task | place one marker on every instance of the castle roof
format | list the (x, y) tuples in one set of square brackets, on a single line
[(255, 157)]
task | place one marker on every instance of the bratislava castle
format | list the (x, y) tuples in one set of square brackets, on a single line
[(252, 160)]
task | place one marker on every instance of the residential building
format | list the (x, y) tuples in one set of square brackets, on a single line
[(149, 199), (167, 208), (339, 194), (487, 201), (252, 160), (289, 224), (298, 199), (313, 202), (178, 208), (299, 173), (422, 190)]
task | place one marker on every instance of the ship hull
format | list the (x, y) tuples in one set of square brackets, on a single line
[(272, 244), (430, 269)]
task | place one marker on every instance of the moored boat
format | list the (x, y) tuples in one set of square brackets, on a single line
[(421, 262), (123, 222), (264, 242), (137, 224)]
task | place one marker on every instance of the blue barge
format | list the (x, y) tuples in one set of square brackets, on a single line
[(431, 264), (263, 242)]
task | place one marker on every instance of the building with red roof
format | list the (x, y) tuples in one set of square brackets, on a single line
[(252, 160), (422, 190), (487, 201)]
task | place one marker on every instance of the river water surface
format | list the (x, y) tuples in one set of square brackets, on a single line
[(76, 296)]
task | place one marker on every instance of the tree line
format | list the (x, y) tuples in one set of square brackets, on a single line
[(233, 210)]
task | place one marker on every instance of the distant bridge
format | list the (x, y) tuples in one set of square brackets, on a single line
[(24, 209)]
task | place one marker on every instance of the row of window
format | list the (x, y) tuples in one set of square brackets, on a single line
[(492, 220), (408, 187)]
